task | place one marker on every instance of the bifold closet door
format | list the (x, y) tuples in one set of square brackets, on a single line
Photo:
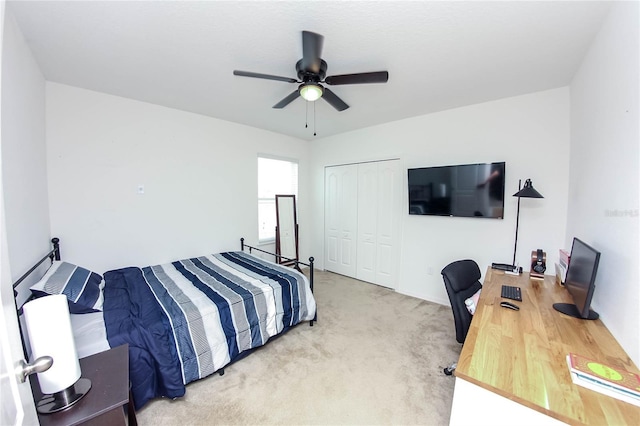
[(366, 249), (379, 212), (341, 219)]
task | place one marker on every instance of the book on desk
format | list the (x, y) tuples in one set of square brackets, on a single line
[(612, 381)]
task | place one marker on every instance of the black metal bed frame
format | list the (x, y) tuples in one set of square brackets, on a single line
[(54, 254)]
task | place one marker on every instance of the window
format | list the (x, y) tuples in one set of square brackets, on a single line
[(275, 176)]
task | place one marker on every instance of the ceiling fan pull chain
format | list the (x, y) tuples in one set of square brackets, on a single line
[(314, 119), (306, 114)]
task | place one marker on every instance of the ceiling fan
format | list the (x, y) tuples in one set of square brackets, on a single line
[(312, 70)]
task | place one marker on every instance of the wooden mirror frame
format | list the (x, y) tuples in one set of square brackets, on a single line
[(286, 231)]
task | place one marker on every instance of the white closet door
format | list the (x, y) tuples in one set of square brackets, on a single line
[(341, 218), (367, 222), (389, 209), (379, 211)]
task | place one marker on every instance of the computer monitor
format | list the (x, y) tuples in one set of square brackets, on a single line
[(580, 281)]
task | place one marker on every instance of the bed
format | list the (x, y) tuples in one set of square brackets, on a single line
[(182, 320)]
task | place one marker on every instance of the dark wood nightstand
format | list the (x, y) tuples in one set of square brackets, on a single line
[(107, 403)]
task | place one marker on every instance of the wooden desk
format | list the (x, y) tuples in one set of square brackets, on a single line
[(516, 361), (105, 402)]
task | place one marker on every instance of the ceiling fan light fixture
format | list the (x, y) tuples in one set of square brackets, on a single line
[(311, 92)]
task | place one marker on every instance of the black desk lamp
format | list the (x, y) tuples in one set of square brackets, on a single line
[(527, 192)]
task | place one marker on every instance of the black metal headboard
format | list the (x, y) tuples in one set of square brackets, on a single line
[(54, 254)]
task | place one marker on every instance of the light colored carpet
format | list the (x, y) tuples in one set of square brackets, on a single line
[(374, 357)]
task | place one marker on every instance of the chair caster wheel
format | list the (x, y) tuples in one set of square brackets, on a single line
[(448, 371)]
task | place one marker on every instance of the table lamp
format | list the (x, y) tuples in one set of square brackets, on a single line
[(527, 192), (50, 334)]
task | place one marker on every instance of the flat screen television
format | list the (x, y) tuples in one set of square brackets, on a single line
[(466, 190), (580, 281)]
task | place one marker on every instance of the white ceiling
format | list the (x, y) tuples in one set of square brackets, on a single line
[(181, 54)]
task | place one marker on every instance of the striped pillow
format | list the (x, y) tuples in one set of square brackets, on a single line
[(82, 287)]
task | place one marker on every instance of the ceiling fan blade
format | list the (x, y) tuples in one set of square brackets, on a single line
[(265, 76), (360, 78), (286, 101), (334, 100), (311, 51)]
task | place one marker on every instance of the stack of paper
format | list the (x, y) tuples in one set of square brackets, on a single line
[(612, 381), (561, 274), (562, 266), (564, 258)]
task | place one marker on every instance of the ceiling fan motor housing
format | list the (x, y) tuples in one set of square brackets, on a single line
[(308, 76)]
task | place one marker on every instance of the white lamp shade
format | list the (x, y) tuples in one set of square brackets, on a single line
[(311, 92), (49, 329)]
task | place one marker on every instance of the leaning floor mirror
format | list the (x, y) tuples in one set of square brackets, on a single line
[(286, 230)]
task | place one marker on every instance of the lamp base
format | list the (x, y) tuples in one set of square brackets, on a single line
[(65, 398)]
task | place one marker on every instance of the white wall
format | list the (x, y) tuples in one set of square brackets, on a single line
[(24, 214), (530, 133), (24, 169), (199, 175), (604, 172)]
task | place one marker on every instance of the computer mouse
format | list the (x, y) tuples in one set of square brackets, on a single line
[(510, 306)]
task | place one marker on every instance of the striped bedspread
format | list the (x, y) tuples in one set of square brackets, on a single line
[(211, 309), (224, 304)]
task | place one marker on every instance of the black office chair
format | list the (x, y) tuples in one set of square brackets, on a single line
[(461, 279)]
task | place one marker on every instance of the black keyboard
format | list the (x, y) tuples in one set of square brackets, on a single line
[(510, 292)]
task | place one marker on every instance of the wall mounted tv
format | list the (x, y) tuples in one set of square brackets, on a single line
[(466, 190)]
